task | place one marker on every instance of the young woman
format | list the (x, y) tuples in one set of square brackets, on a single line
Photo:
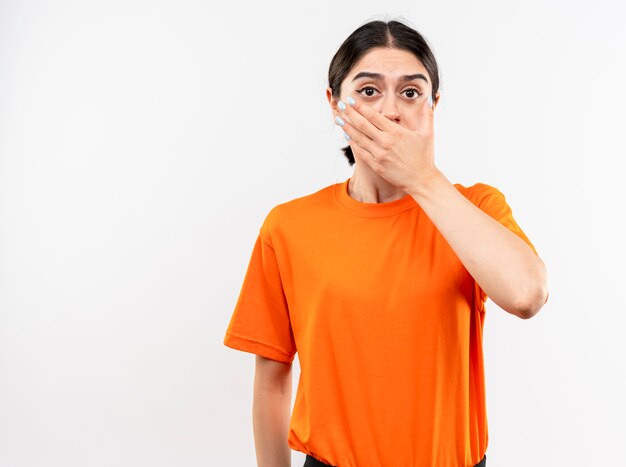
[(379, 283)]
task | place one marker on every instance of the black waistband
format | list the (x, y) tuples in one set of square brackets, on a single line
[(313, 462)]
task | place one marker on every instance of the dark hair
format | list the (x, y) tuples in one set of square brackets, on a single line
[(391, 34)]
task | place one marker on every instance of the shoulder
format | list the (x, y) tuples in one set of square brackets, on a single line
[(479, 192), (296, 211)]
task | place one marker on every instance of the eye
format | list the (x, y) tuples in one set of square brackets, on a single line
[(414, 92), (360, 91)]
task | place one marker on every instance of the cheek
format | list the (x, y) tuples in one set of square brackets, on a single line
[(412, 120), (350, 92), (411, 114)]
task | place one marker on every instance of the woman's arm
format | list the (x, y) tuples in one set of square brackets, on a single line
[(271, 410), (504, 266)]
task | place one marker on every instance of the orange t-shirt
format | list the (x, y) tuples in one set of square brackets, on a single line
[(387, 324)]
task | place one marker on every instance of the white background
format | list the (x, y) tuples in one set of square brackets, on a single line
[(143, 143)]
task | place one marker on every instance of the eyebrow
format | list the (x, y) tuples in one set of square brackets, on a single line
[(379, 76)]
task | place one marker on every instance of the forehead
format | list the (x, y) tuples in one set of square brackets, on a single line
[(390, 62)]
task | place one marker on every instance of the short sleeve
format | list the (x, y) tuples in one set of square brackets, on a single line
[(260, 323), (493, 202)]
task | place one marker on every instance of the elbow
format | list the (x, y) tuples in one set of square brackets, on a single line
[(533, 301), (535, 295)]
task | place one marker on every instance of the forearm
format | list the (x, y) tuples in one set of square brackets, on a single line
[(271, 414), (505, 267)]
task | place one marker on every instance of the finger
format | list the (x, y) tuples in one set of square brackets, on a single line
[(372, 115), (363, 141), (368, 121), (427, 116), (364, 156), (357, 150)]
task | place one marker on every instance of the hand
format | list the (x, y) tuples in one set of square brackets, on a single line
[(403, 157)]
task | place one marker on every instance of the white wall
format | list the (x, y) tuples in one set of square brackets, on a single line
[(142, 144)]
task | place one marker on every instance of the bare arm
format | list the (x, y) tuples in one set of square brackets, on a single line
[(271, 412), (502, 263)]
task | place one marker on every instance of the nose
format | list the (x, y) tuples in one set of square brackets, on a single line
[(390, 108)]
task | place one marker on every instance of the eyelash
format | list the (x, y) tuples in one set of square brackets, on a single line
[(409, 89)]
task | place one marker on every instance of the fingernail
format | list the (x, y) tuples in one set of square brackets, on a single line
[(346, 135), (339, 120), (341, 105), (351, 101), (430, 100)]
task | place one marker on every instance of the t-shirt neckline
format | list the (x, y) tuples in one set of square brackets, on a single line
[(343, 198)]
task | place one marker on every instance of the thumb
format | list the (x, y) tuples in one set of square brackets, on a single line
[(427, 115)]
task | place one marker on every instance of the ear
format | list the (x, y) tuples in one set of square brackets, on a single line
[(332, 101), (437, 96)]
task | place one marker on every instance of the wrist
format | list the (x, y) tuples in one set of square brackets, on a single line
[(426, 182)]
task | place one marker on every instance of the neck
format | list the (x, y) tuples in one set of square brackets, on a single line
[(367, 186)]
